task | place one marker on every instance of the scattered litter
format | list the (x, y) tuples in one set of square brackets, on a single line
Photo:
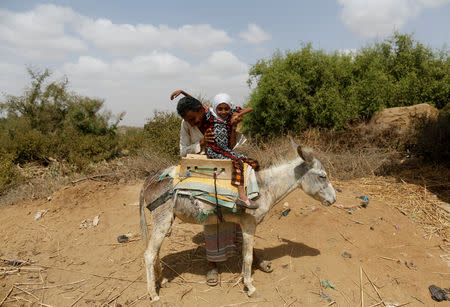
[(438, 294), (285, 212), (365, 201), (410, 265), (40, 214), (95, 220), (49, 198), (396, 227), (125, 238), (14, 262), (314, 209), (122, 239), (371, 228), (346, 255), (339, 190), (328, 284), (323, 295), (84, 224), (446, 258), (286, 205)]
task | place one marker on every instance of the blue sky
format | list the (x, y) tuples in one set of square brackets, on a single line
[(134, 53)]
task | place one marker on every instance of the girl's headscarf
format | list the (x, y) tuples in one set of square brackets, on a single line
[(219, 99)]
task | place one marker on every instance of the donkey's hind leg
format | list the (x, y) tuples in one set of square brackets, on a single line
[(162, 219), (248, 226)]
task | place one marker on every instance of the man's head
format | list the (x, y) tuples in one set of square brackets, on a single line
[(191, 110)]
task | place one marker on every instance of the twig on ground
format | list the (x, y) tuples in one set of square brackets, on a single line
[(346, 239), (418, 299), (392, 259), (83, 294), (57, 286), (172, 269), (24, 291), (291, 302), (118, 295), (276, 288), (361, 286), (404, 304), (138, 299), (234, 285), (6, 296), (373, 286), (186, 292)]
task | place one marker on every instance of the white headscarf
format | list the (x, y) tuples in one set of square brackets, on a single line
[(219, 99)]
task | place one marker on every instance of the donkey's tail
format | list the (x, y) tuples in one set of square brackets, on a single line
[(143, 220)]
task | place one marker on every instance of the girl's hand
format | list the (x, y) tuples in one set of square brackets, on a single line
[(236, 118)]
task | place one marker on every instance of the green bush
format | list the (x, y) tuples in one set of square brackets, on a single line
[(162, 132), (48, 121), (310, 88)]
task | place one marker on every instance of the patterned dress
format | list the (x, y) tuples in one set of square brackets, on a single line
[(221, 148)]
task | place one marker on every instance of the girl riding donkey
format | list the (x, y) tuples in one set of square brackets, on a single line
[(221, 120)]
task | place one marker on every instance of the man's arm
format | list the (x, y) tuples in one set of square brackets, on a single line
[(185, 141), (178, 92)]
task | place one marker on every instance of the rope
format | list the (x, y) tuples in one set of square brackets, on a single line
[(218, 211)]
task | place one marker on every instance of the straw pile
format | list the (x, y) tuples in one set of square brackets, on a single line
[(414, 201)]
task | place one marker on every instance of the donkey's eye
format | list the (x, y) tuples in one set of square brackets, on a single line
[(323, 175)]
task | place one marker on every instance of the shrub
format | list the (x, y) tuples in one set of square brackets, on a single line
[(310, 88), (162, 132)]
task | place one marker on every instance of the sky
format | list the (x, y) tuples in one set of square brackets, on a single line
[(133, 54)]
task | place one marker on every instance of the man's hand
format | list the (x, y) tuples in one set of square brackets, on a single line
[(208, 138), (175, 94)]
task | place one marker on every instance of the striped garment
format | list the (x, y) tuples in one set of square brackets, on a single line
[(220, 149), (230, 236)]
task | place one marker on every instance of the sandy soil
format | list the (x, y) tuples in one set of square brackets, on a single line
[(87, 266)]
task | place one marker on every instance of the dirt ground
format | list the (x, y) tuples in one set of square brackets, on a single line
[(86, 266)]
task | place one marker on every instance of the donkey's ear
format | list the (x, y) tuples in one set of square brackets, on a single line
[(294, 145), (306, 154)]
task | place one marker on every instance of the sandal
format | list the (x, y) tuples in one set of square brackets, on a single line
[(247, 204), (212, 277), (264, 265)]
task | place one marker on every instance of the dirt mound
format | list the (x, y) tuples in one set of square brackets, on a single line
[(400, 119)]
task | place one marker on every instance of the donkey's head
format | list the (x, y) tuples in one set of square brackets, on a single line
[(312, 177)]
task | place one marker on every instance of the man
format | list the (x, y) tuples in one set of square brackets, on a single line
[(194, 135)]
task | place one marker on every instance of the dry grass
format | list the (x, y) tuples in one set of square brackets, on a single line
[(416, 189)]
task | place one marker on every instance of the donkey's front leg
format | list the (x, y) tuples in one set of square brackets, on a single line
[(248, 232), (162, 219)]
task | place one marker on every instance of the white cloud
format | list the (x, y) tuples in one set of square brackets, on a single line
[(379, 17), (126, 38), (43, 33), (254, 35), (143, 83), (40, 33)]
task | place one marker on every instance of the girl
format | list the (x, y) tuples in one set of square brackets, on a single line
[(221, 119)]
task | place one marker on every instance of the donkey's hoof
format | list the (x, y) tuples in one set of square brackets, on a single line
[(154, 300), (251, 292), (163, 281)]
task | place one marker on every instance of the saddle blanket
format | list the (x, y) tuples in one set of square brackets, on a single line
[(203, 188)]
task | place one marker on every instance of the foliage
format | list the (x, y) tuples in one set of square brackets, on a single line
[(310, 88), (163, 133), (48, 121)]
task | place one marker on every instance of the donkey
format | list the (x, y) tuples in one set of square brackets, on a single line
[(274, 183)]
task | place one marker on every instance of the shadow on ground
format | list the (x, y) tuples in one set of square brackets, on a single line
[(194, 260)]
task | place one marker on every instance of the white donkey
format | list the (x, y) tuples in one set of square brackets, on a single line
[(274, 184)]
